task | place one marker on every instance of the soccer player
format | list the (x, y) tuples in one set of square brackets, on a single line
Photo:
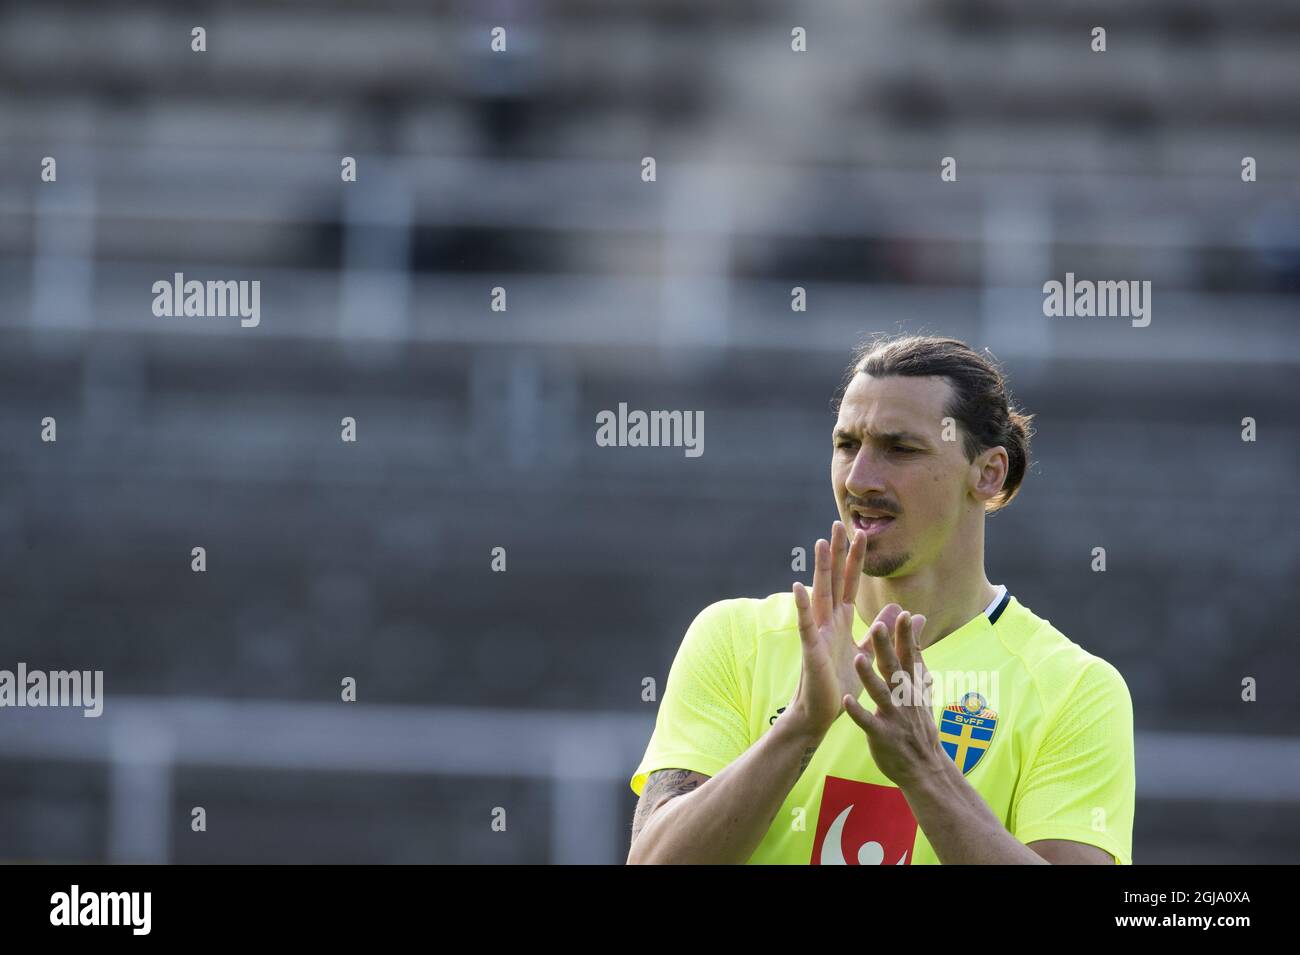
[(791, 730)]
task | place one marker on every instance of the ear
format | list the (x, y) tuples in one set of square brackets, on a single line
[(988, 472)]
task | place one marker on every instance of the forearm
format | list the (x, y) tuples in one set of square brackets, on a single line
[(959, 824), (725, 819)]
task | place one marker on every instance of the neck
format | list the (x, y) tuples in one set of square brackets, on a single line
[(951, 591)]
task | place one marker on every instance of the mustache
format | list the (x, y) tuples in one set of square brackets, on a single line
[(873, 503)]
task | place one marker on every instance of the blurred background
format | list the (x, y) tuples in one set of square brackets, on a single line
[(475, 428)]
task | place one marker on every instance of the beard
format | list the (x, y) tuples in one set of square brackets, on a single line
[(877, 564)]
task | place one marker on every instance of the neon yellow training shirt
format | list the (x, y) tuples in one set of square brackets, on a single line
[(1042, 728)]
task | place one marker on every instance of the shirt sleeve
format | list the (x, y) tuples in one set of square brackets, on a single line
[(1081, 782), (701, 724)]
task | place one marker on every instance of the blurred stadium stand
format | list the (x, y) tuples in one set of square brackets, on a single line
[(476, 427)]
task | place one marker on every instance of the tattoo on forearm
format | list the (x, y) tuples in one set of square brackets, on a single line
[(666, 784), (660, 787), (807, 758)]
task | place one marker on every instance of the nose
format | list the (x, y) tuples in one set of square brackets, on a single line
[(867, 475)]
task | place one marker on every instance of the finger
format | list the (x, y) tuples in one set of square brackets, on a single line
[(858, 713), (875, 686), (889, 615), (803, 608), (867, 646), (922, 671), (839, 556), (853, 567), (914, 640), (907, 644), (885, 643), (821, 595)]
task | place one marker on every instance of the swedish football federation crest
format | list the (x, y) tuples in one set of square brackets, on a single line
[(966, 730)]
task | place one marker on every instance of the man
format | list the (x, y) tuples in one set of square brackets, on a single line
[(791, 731)]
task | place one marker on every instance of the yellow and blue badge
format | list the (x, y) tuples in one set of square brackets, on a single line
[(966, 730)]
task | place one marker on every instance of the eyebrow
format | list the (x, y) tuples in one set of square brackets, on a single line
[(887, 437)]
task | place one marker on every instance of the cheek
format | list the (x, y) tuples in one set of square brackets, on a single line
[(940, 492), (839, 477)]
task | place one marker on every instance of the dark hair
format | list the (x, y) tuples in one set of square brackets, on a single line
[(980, 403)]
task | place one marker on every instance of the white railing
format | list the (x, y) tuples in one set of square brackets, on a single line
[(586, 757)]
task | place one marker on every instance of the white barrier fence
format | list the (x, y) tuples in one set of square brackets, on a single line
[(585, 756)]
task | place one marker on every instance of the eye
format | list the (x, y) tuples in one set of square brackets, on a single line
[(903, 449)]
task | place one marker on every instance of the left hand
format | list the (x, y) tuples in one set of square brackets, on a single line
[(902, 735)]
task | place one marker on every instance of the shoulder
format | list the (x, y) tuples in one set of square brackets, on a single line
[(745, 622), (759, 615), (1062, 670)]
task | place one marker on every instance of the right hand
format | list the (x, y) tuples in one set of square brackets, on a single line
[(826, 632)]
